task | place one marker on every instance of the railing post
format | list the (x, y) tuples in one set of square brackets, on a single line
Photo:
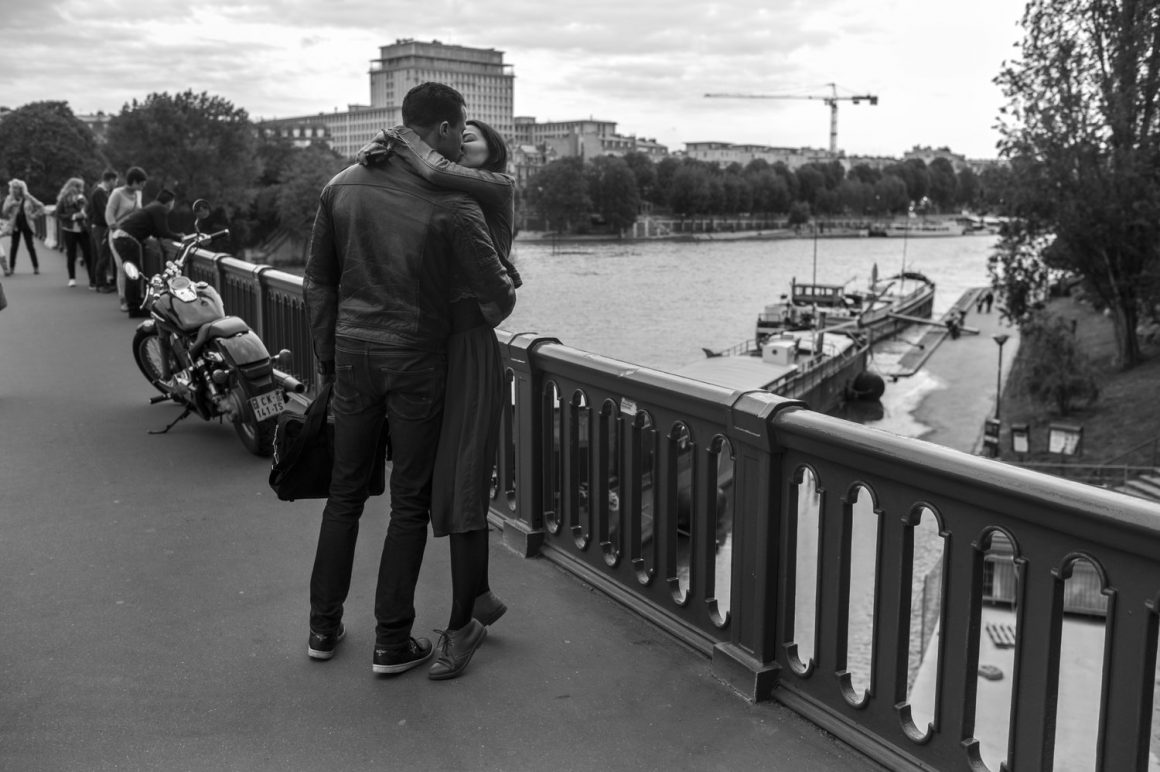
[(258, 323), (748, 661), (525, 532)]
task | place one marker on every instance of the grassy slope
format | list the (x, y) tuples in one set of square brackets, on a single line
[(1127, 412)]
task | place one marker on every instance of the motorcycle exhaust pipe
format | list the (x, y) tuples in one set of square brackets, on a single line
[(288, 382)]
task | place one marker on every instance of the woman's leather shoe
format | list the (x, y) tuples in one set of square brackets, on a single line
[(488, 608), (455, 648)]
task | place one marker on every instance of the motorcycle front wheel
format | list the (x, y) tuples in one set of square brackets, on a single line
[(256, 436), (147, 354)]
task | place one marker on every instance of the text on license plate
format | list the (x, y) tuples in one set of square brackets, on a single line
[(267, 405)]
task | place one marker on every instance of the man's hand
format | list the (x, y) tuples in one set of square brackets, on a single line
[(326, 370)]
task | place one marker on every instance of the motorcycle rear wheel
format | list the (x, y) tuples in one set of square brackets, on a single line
[(256, 436), (147, 355)]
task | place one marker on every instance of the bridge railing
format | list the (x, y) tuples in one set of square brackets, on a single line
[(736, 520)]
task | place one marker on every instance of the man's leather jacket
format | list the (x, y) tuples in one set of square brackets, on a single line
[(385, 246)]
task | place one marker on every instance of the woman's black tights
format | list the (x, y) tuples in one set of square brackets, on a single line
[(468, 574), (19, 230)]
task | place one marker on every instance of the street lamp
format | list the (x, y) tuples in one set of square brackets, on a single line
[(1001, 338)]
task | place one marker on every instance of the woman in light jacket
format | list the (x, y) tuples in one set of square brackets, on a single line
[(21, 208), (72, 214)]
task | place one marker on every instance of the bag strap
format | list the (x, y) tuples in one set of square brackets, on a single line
[(315, 416), (316, 413)]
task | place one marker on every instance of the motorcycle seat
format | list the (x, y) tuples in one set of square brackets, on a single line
[(226, 327)]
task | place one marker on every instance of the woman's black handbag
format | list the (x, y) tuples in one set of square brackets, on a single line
[(304, 453)]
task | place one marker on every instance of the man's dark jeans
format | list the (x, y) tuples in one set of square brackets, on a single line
[(406, 387)]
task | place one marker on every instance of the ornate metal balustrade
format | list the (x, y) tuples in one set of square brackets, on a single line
[(735, 521)]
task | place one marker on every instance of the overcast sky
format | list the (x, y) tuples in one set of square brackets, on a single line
[(644, 64)]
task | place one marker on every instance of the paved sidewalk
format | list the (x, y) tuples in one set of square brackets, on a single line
[(154, 600)]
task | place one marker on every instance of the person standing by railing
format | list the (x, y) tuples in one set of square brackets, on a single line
[(123, 201), (377, 288), (21, 207), (100, 277), (473, 400), (71, 213)]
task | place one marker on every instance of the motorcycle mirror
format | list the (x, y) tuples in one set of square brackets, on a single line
[(200, 209)]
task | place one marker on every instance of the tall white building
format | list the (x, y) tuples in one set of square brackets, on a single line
[(478, 73)]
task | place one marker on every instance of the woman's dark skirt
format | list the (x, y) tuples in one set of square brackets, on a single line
[(473, 403)]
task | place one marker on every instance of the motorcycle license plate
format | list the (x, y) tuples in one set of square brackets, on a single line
[(267, 405)]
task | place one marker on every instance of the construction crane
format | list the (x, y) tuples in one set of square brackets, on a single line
[(832, 100)]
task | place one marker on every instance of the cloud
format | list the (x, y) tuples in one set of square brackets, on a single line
[(645, 65)]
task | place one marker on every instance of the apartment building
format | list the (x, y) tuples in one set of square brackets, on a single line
[(586, 138), (725, 153), (478, 73)]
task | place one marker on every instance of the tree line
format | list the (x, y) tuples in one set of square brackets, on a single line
[(570, 193), (195, 144)]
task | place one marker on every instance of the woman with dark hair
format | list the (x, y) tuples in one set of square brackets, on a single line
[(473, 402)]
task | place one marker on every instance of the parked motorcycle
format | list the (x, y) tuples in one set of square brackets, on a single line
[(197, 356)]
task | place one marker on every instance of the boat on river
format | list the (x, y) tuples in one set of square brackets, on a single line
[(814, 343)]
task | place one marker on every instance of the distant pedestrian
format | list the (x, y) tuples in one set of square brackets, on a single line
[(72, 214), (989, 298), (123, 201), (979, 300), (101, 277), (21, 208)]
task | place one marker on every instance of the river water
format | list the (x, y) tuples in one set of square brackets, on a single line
[(658, 303)]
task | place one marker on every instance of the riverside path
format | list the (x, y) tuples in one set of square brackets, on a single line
[(154, 600)]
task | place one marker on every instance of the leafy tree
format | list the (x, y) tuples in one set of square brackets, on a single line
[(1082, 115), (769, 189), (665, 168), (44, 143), (560, 193), (995, 188), (200, 146), (613, 192), (799, 213), (865, 173), (1018, 271), (690, 191), (811, 181), (307, 172), (645, 172), (943, 184), (1057, 371), (968, 188), (890, 194), (914, 175)]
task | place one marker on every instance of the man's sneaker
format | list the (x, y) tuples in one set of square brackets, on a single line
[(488, 608), (72, 282), (322, 645), (400, 659)]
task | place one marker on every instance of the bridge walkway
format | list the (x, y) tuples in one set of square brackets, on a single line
[(154, 599)]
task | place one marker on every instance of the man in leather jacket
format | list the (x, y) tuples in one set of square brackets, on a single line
[(386, 249)]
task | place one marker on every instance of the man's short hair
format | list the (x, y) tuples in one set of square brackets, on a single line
[(135, 174), (429, 104), (165, 196), (109, 176)]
